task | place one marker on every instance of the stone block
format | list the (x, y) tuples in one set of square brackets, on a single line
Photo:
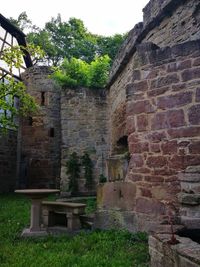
[(189, 199), (164, 81), (193, 115), (150, 206), (139, 107), (156, 161), (116, 196), (190, 176), (190, 74), (173, 101)]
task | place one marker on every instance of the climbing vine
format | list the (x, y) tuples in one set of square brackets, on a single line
[(88, 170), (73, 172)]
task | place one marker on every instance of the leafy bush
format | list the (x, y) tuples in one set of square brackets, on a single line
[(76, 72), (102, 178), (73, 171), (98, 72), (88, 170)]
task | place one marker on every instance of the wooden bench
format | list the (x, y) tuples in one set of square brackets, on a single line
[(51, 210)]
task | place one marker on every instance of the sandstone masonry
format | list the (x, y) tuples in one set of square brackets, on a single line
[(154, 103)]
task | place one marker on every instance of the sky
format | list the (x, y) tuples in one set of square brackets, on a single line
[(103, 17)]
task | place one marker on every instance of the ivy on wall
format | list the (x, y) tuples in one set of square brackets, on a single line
[(74, 165)]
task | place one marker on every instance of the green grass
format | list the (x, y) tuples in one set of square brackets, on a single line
[(88, 249)]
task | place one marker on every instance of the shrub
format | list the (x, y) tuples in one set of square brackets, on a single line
[(76, 72)]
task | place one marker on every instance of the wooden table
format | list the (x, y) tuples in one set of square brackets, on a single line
[(36, 196)]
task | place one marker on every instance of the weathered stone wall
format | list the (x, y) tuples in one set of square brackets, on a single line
[(163, 103), (184, 254), (181, 22), (83, 127), (158, 90), (8, 159), (165, 22), (41, 138)]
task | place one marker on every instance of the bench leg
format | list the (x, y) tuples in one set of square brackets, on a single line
[(73, 222)]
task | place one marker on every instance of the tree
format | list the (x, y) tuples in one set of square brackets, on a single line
[(14, 100), (76, 72), (23, 22), (60, 39)]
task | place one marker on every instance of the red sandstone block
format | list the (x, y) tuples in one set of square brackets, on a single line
[(142, 122), (156, 137), (158, 91), (138, 147), (150, 74), (139, 107), (177, 162), (180, 162), (159, 121), (175, 66), (136, 161), (130, 125), (173, 178), (176, 118), (154, 178), (135, 177), (140, 86), (178, 87), (196, 62), (156, 161), (164, 171), (133, 138), (191, 74), (150, 206), (194, 148), (194, 115), (173, 101), (184, 132), (145, 192), (171, 118), (164, 81), (198, 95), (155, 148), (140, 170), (169, 147), (183, 143)]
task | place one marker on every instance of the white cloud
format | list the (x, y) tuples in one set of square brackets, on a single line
[(105, 17)]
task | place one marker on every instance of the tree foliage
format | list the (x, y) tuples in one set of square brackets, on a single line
[(14, 100), (76, 72), (60, 39)]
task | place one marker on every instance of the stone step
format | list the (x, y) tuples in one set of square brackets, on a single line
[(87, 221)]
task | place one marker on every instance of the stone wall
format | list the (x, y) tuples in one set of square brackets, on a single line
[(8, 159), (165, 23), (83, 127), (163, 103), (153, 93), (186, 253), (41, 138)]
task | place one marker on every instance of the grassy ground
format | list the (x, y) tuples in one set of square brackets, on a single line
[(88, 249)]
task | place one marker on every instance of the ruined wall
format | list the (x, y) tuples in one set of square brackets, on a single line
[(164, 104), (159, 87), (40, 143), (8, 159), (83, 127)]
